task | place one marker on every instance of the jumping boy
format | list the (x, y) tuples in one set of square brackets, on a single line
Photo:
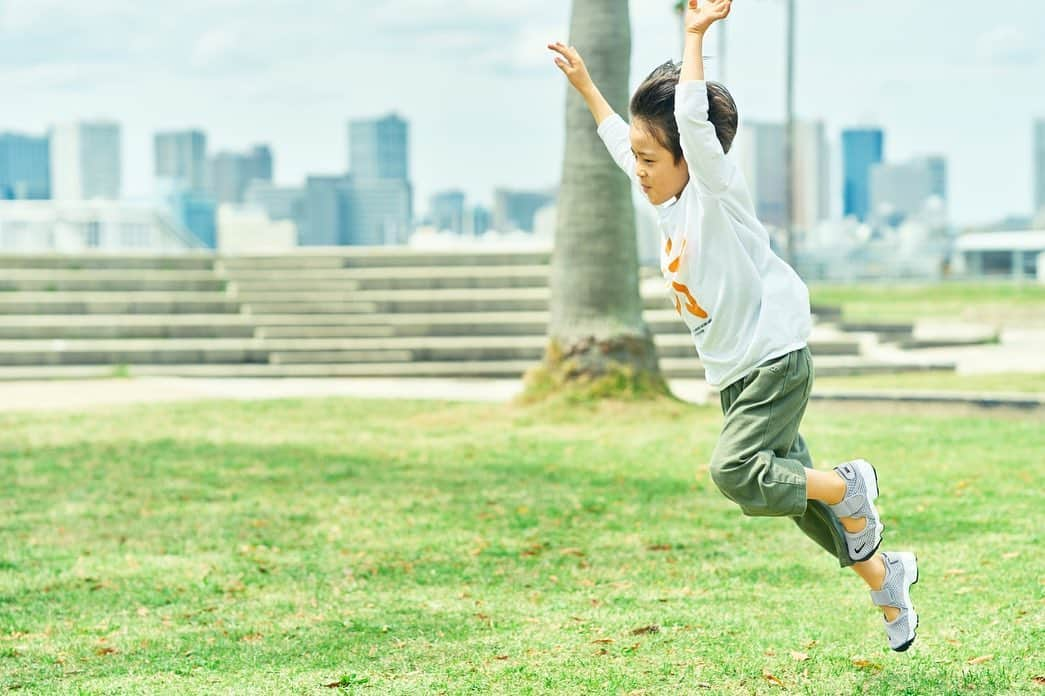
[(748, 312)]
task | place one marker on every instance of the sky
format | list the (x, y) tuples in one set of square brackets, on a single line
[(961, 78)]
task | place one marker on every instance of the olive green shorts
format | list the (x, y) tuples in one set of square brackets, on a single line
[(760, 459)]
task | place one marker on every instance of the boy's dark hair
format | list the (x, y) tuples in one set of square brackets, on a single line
[(654, 102)]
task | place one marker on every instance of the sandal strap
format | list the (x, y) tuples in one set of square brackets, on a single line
[(887, 597), (851, 507)]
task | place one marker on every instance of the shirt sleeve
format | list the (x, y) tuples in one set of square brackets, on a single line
[(708, 164), (616, 135)]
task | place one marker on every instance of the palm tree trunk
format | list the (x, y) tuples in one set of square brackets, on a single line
[(596, 326)]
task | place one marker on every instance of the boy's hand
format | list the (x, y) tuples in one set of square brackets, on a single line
[(572, 66), (701, 14)]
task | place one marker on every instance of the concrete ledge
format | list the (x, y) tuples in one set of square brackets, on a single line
[(370, 257), (189, 261), (981, 400), (494, 370), (119, 305)]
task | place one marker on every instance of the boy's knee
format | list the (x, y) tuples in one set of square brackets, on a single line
[(726, 472)]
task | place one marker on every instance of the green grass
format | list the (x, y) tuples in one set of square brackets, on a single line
[(424, 548), (983, 303), (1012, 382)]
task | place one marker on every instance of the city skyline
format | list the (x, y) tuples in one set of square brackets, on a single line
[(450, 73)]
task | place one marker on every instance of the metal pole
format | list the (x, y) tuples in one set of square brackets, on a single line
[(789, 196), (722, 53), (680, 9)]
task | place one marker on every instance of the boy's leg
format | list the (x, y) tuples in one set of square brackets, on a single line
[(818, 522), (759, 461)]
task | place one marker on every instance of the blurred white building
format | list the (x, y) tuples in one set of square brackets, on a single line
[(250, 230), (1018, 255), (83, 226), (86, 161)]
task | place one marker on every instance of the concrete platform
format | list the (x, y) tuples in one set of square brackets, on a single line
[(89, 395)]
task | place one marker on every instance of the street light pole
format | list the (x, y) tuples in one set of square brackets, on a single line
[(680, 9), (789, 195), (722, 53)]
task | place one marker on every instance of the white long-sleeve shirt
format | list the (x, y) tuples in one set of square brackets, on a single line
[(743, 305)]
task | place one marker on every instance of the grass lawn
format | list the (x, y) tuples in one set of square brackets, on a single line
[(1008, 304), (1013, 382), (421, 548)]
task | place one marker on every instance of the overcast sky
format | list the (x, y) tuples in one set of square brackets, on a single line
[(961, 78)]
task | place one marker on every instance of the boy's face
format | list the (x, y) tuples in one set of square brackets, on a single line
[(655, 167)]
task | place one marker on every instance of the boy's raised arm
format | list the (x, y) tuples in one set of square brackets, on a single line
[(612, 129), (572, 65), (708, 164)]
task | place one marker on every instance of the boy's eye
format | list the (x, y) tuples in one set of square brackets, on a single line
[(648, 161)]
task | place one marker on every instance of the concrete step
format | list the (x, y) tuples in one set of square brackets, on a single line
[(405, 278), (504, 370), (306, 310), (893, 331), (314, 350), (437, 349), (72, 284), (120, 330), (825, 366), (117, 303), (301, 263), (128, 355), (530, 323), (475, 303), (190, 261), (538, 319), (308, 284), (671, 368), (383, 257), (414, 301), (380, 257)]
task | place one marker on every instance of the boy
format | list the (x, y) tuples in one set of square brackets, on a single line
[(748, 312)]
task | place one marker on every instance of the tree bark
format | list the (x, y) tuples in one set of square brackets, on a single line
[(596, 325)]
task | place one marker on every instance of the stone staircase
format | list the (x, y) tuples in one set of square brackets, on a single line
[(344, 312)]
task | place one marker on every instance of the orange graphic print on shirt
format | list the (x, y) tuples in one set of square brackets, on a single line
[(691, 304)]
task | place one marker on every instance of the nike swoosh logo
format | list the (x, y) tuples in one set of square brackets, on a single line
[(860, 548)]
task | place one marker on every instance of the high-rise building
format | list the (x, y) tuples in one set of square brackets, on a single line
[(182, 155), (761, 153), (446, 210), (379, 199), (86, 161), (232, 172), (478, 221), (343, 210), (901, 190), (25, 167), (515, 210), (259, 163), (812, 174), (1039, 166), (277, 202), (760, 150), (326, 212), (862, 148), (379, 148), (379, 211)]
